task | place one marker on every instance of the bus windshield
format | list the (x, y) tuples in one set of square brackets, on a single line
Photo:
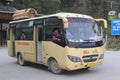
[(83, 30)]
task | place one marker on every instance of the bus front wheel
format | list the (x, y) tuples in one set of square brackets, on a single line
[(54, 67), (20, 60)]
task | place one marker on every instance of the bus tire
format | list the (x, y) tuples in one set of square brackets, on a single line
[(54, 67), (20, 60)]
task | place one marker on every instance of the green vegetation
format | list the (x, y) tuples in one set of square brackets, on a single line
[(95, 8), (42, 6), (113, 41)]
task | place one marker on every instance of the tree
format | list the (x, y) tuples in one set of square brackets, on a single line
[(42, 6), (82, 6), (22, 4), (50, 6), (66, 5)]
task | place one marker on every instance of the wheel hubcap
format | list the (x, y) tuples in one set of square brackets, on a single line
[(20, 60), (55, 67)]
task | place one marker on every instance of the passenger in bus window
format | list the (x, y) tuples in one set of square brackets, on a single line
[(22, 37), (56, 35)]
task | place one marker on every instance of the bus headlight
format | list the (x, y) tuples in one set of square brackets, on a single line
[(74, 59), (101, 56)]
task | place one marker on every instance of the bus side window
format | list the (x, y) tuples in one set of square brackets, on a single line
[(26, 28), (49, 25), (48, 33), (39, 32), (8, 34), (39, 24)]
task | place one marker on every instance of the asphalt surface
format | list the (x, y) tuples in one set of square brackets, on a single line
[(10, 70)]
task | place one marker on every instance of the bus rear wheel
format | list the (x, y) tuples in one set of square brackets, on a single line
[(54, 67), (20, 60)]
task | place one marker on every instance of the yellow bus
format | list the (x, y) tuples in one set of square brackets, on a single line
[(61, 41)]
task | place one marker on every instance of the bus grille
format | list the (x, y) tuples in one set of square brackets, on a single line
[(90, 58)]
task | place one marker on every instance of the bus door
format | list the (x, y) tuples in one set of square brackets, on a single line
[(39, 43), (13, 41)]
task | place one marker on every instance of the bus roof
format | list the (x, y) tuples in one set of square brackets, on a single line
[(61, 14)]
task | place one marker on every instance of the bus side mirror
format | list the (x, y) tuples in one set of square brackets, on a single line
[(102, 20)]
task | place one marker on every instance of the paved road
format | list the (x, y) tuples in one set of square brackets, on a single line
[(10, 70)]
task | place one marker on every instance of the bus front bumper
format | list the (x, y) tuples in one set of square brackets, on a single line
[(81, 65)]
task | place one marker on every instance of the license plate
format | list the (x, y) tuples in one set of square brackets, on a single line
[(90, 64)]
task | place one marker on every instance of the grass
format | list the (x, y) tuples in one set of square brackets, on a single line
[(113, 43)]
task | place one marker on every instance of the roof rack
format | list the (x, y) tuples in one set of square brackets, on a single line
[(25, 14)]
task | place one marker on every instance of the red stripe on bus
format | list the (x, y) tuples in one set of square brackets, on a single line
[(23, 43)]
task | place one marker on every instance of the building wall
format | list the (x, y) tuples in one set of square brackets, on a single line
[(6, 12)]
